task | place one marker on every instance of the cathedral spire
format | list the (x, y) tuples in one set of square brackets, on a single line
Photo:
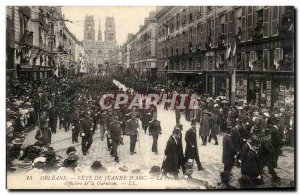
[(99, 31)]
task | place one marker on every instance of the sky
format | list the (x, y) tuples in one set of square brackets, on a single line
[(127, 19)]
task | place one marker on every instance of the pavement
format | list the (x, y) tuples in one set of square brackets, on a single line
[(210, 155)]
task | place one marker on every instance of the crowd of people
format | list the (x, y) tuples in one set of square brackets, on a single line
[(253, 136)]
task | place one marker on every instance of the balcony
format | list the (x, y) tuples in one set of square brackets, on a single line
[(27, 38)]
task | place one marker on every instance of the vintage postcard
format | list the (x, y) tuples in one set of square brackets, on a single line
[(150, 98)]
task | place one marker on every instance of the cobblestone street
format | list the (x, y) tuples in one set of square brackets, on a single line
[(210, 155)]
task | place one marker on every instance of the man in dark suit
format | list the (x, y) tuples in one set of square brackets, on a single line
[(115, 133), (154, 130), (266, 155), (237, 138), (87, 135), (229, 151), (276, 138), (171, 161), (132, 126), (191, 150)]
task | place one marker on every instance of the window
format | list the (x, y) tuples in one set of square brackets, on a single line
[(243, 30), (89, 27), (250, 22), (238, 20), (275, 19), (266, 21)]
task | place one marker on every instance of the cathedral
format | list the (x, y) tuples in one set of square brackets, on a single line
[(102, 52)]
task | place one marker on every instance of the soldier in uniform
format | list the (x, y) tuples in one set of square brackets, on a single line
[(52, 119), (75, 126), (96, 119), (115, 133), (154, 130), (191, 150), (132, 126), (146, 117), (108, 121), (87, 135)]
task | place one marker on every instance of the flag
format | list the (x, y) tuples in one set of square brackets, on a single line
[(291, 28), (228, 52), (250, 65), (276, 64), (234, 49), (56, 71)]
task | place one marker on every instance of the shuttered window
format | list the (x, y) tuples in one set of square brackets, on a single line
[(243, 39), (266, 21), (250, 22), (275, 20), (213, 32)]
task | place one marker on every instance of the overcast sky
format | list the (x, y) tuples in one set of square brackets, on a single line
[(127, 19)]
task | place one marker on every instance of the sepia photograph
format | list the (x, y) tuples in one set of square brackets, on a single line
[(150, 97)]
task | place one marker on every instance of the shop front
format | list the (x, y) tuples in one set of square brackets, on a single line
[(265, 89)]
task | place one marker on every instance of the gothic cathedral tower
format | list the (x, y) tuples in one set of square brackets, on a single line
[(110, 32), (89, 28)]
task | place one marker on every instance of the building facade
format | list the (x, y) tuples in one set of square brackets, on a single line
[(140, 50), (101, 52), (195, 45), (39, 45)]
